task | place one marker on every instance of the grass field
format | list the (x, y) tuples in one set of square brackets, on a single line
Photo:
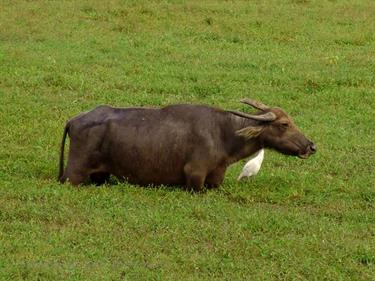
[(297, 220)]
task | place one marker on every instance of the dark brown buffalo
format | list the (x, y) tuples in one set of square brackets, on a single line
[(189, 145)]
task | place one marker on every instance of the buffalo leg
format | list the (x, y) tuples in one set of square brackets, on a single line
[(76, 171), (216, 177), (99, 177), (76, 178), (195, 177)]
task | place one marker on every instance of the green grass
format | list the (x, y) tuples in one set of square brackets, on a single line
[(296, 220)]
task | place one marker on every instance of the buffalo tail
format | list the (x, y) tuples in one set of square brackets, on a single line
[(62, 147)]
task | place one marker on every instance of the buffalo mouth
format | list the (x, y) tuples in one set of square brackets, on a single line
[(306, 153)]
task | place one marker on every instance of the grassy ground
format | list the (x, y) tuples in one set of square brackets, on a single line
[(297, 220)]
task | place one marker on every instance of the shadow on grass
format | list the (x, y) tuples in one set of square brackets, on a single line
[(113, 182), (256, 190)]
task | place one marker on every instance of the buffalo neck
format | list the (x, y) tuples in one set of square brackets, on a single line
[(238, 147)]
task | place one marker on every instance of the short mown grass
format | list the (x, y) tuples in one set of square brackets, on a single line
[(296, 220)]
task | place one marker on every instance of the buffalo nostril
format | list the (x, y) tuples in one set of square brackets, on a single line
[(313, 147)]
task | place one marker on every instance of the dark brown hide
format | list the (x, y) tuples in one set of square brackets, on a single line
[(189, 145)]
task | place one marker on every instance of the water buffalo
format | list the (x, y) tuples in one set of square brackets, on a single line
[(189, 145)]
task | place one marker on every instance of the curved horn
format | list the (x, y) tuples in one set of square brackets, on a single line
[(269, 116), (255, 104)]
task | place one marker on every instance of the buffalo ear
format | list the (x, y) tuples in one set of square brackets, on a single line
[(250, 132)]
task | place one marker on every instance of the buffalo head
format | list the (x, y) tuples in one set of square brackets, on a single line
[(274, 128)]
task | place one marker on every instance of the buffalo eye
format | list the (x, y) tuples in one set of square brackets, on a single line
[(285, 125)]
